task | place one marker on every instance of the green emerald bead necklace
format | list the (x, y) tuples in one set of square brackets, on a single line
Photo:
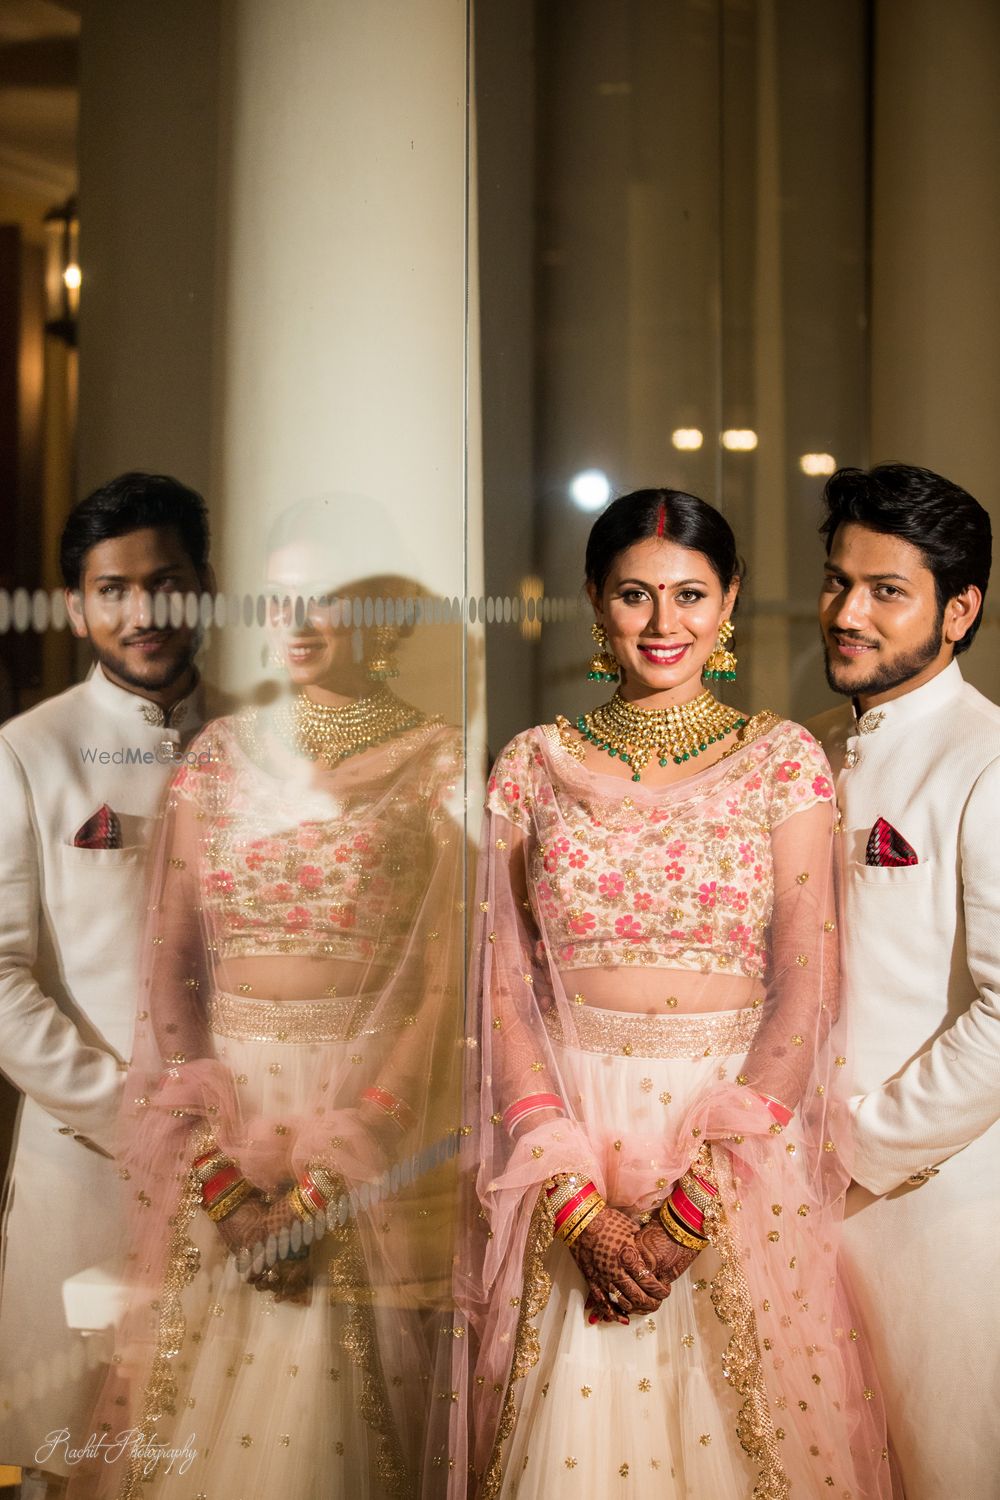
[(679, 733)]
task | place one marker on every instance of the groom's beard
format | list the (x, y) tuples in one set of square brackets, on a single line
[(884, 673)]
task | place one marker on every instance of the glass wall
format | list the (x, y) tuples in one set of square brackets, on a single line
[(408, 292)]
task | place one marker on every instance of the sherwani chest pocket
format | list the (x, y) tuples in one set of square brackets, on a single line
[(895, 951), (98, 900)]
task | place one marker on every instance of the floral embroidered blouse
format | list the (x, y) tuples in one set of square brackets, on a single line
[(680, 881)]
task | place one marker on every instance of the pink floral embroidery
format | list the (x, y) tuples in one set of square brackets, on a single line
[(280, 891), (583, 923), (342, 916), (511, 791), (577, 858), (821, 786), (788, 770), (643, 901), (702, 933), (746, 854), (611, 885), (297, 919), (675, 848), (628, 927), (310, 877), (706, 893), (220, 883), (674, 871), (554, 853)]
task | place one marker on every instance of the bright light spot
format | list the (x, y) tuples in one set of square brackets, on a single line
[(687, 439), (72, 277), (739, 439), (817, 463), (590, 490)]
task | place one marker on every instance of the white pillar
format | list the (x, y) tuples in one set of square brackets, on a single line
[(297, 325)]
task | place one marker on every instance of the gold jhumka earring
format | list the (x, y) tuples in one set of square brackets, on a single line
[(721, 664), (603, 666), (380, 667)]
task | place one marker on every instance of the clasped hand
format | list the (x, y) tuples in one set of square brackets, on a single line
[(627, 1267), (248, 1229)]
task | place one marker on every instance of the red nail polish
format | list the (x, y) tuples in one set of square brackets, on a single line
[(593, 1318)]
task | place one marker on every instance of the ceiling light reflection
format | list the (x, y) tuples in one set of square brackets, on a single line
[(590, 489), (687, 439), (817, 463), (739, 439)]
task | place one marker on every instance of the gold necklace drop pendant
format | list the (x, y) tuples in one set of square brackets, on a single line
[(331, 733), (679, 733)]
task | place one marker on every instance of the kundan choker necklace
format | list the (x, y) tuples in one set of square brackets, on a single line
[(675, 734), (332, 733)]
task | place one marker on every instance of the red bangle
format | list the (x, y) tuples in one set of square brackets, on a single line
[(709, 1187), (216, 1186), (311, 1192), (397, 1109), (686, 1211), (520, 1110), (568, 1209), (780, 1111)]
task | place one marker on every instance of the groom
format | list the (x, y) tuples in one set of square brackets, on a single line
[(81, 778), (916, 757)]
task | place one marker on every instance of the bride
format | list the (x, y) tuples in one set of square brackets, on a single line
[(285, 1157), (651, 1278)]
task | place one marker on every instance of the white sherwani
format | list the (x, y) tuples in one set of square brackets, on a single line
[(921, 950), (70, 922)]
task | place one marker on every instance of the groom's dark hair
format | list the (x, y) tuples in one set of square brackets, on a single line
[(949, 527)]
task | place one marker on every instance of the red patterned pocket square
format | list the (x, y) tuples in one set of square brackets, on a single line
[(887, 847), (102, 830)]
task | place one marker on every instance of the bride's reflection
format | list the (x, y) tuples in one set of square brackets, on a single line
[(291, 1106)]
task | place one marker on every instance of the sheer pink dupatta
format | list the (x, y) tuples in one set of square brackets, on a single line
[(403, 1041), (795, 1357)]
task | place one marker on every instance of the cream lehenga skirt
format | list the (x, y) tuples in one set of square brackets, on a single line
[(644, 1410), (305, 1401)]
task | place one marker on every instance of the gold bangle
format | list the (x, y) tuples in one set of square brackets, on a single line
[(568, 1225), (679, 1235), (215, 1163), (230, 1201), (700, 1197), (328, 1186), (575, 1233), (300, 1208), (567, 1186)]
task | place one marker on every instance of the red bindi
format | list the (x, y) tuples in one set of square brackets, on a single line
[(661, 586)]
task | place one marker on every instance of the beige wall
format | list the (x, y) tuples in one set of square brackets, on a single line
[(936, 254)]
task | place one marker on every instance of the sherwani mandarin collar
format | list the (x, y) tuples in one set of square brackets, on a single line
[(175, 724), (899, 713)]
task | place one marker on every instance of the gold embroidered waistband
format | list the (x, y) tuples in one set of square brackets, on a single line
[(336, 1020), (622, 1033)]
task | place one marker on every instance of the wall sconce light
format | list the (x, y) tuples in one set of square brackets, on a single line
[(62, 271)]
